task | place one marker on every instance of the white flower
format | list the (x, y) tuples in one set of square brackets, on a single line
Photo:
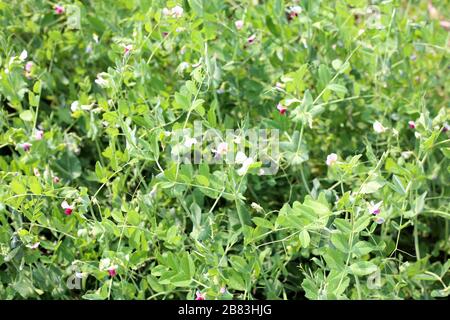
[(23, 55), (245, 165), (165, 12), (240, 157), (378, 127), (101, 81), (406, 154), (222, 148), (104, 264), (417, 134), (183, 66), (375, 208), (189, 142), (33, 246), (256, 207), (75, 106), (177, 12), (296, 9), (239, 24), (331, 159), (36, 172), (39, 134)]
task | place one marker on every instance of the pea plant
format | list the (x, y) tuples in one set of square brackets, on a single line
[(219, 149)]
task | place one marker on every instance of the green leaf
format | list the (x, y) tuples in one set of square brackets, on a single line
[(26, 115), (372, 186), (304, 238), (363, 268)]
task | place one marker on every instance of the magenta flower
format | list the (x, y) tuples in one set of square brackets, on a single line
[(412, 124), (112, 272), (200, 296), (375, 208), (127, 49), (282, 109), (59, 9), (26, 146), (68, 209), (446, 127)]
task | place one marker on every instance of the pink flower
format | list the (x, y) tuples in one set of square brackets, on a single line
[(28, 66), (67, 208), (223, 290), (200, 296), (112, 272), (33, 246), (177, 12), (446, 127), (375, 208), (39, 134), (55, 179), (239, 24), (59, 9), (331, 159), (411, 124), (36, 172), (127, 49), (378, 127), (251, 39), (379, 220), (26, 146), (281, 108)]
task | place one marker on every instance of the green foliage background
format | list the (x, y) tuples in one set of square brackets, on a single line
[(173, 229)]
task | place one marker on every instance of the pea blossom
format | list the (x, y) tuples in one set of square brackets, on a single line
[(23, 55), (379, 220), (177, 12), (331, 159), (412, 124), (378, 127), (127, 49), (189, 142), (26, 146), (246, 162), (36, 172), (200, 296), (68, 209), (112, 271), (222, 149), (56, 179), (375, 208), (33, 246), (251, 39), (256, 207), (239, 24), (446, 127), (59, 9), (282, 109), (39, 134)]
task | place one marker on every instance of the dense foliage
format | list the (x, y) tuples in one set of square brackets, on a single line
[(93, 205)]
